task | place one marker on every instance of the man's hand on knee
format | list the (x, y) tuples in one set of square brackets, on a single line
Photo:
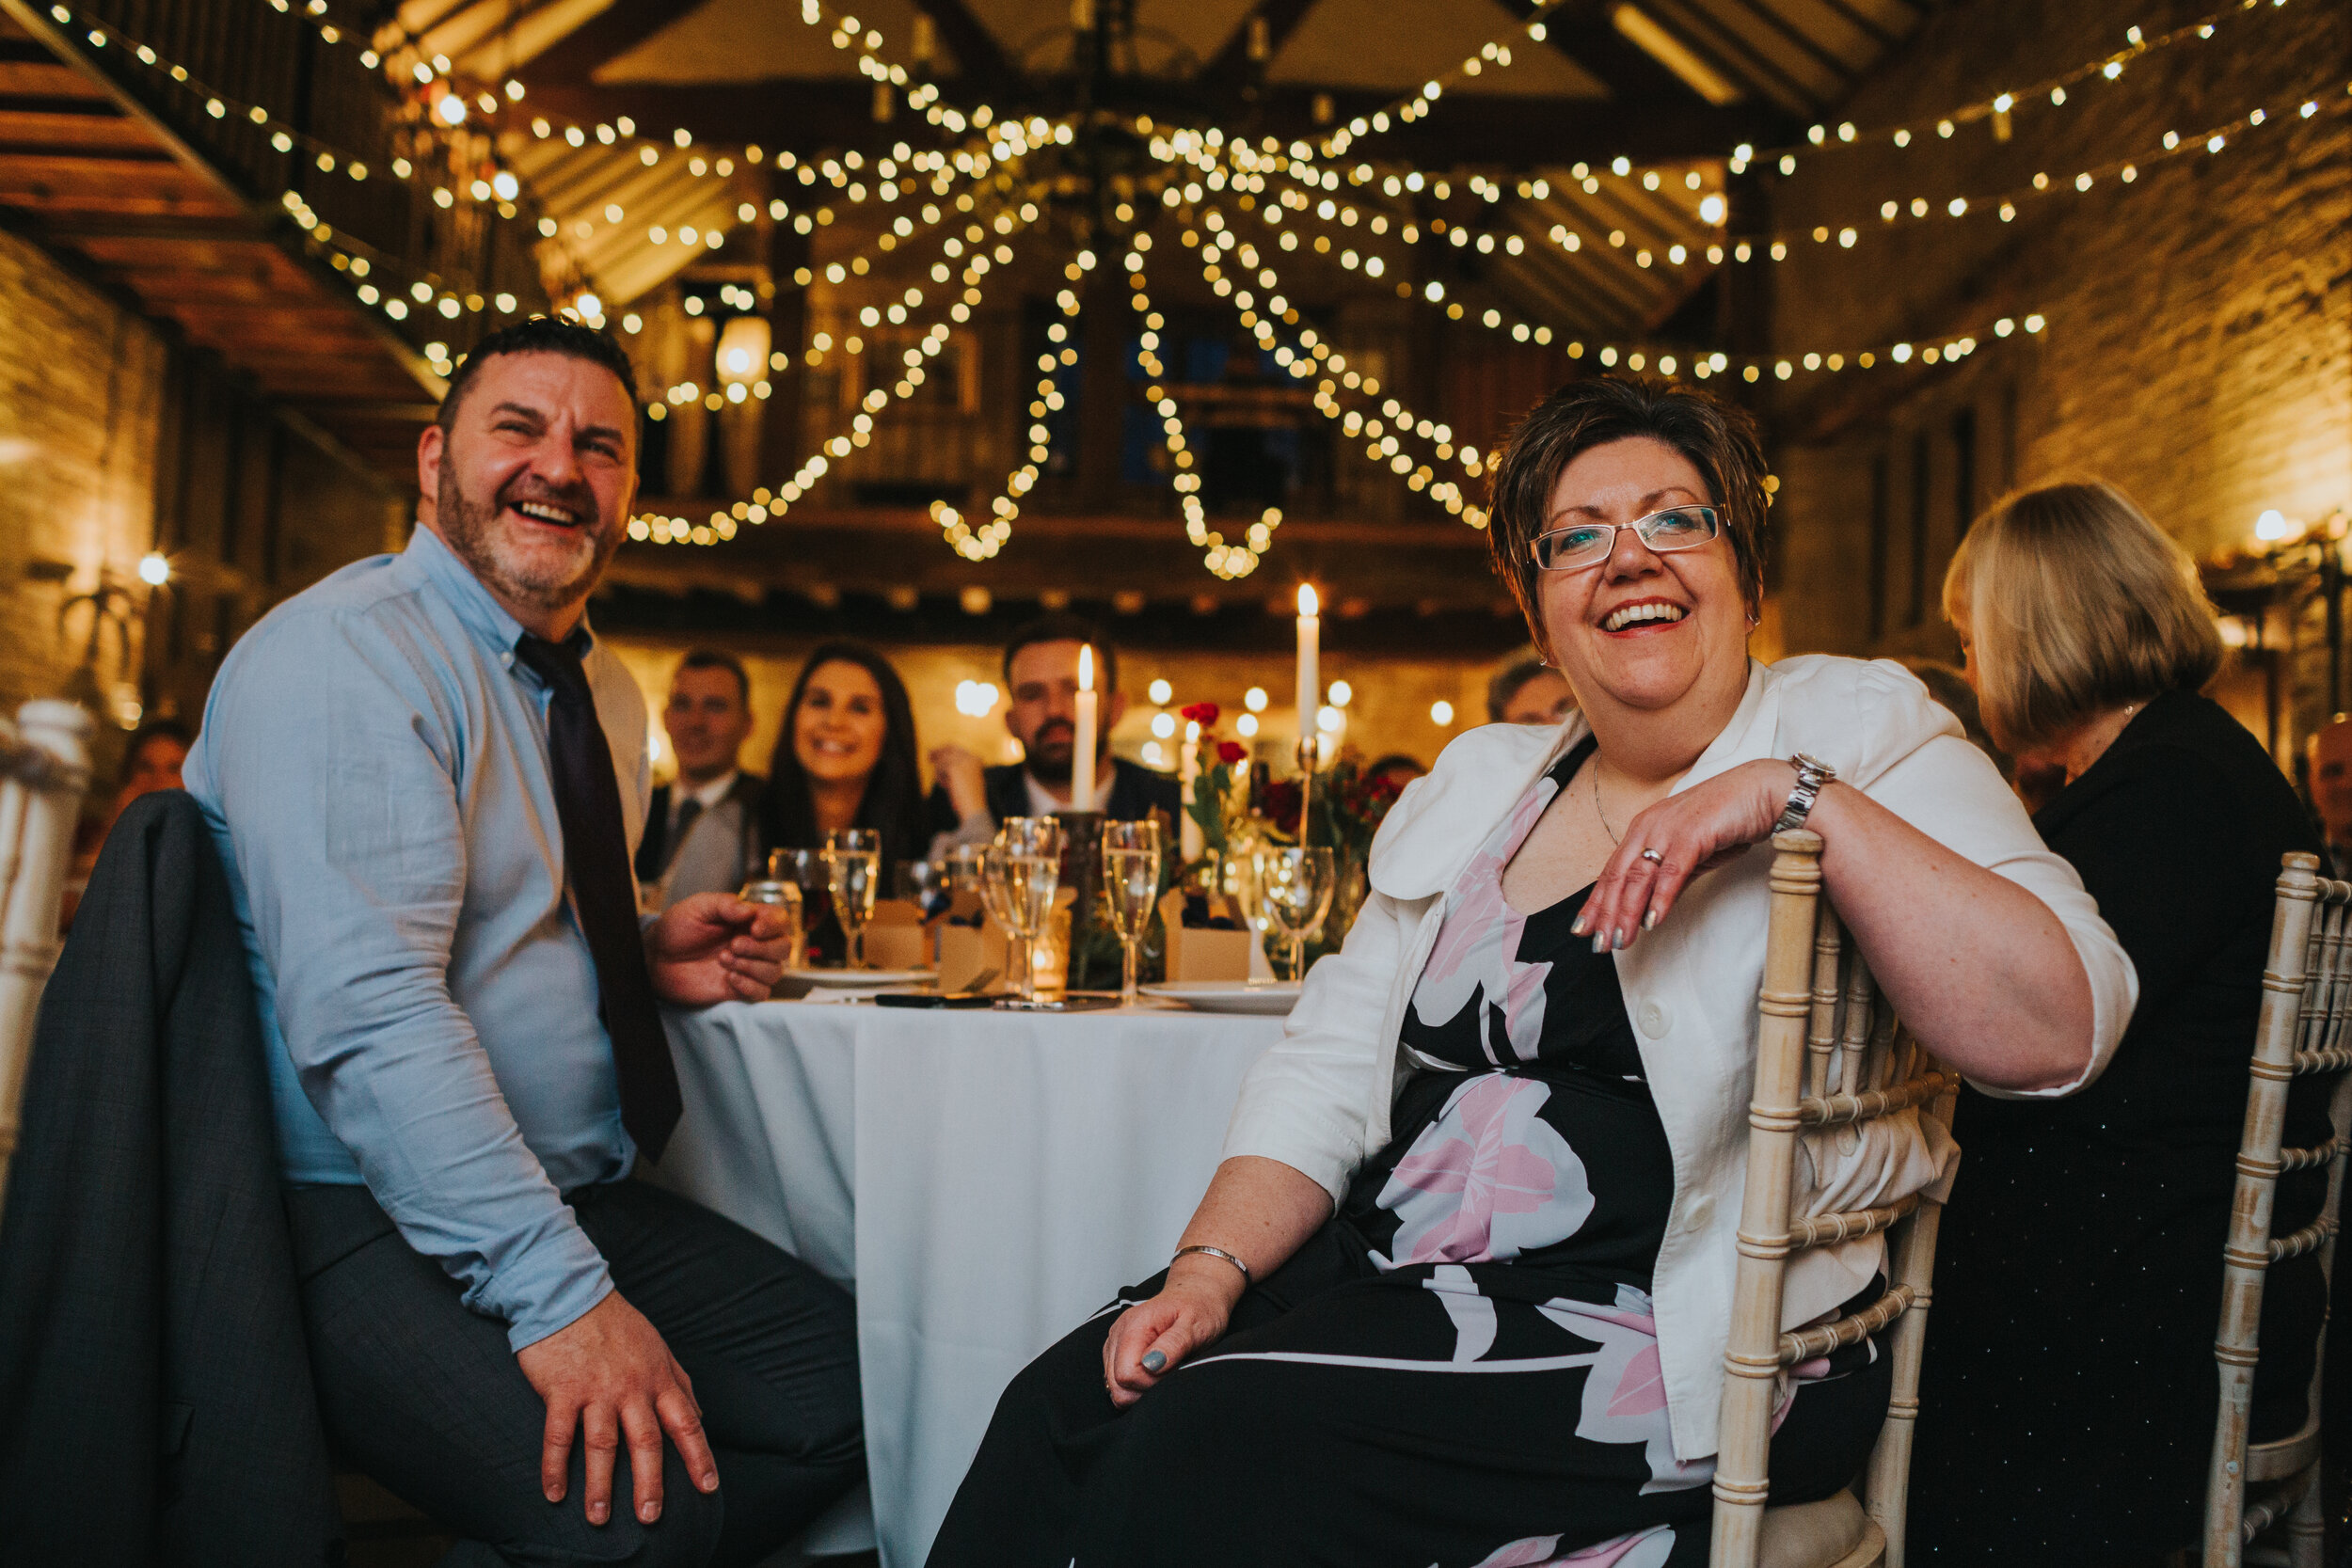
[(608, 1376)]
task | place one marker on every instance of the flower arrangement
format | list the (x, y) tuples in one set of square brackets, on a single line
[(1238, 805)]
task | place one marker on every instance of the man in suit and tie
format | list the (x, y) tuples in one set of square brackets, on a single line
[(1042, 677), (702, 834)]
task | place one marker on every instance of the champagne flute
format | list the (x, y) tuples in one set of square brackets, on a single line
[(853, 877), (1131, 887), (1025, 863), (1292, 889)]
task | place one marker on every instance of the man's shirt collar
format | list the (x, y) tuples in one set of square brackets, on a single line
[(485, 620)]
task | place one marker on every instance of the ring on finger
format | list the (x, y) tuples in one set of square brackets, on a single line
[(1653, 857)]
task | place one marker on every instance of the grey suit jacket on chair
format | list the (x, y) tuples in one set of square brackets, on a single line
[(155, 1395)]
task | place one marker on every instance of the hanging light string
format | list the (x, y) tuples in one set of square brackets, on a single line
[(2108, 67), (981, 542), (1229, 562), (1448, 233), (1495, 52), (1314, 358), (766, 503)]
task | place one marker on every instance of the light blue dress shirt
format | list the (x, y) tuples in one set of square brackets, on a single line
[(373, 763)]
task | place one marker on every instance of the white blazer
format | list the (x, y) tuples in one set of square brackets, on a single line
[(1319, 1099)]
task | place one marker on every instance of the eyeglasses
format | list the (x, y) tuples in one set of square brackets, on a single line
[(1581, 545)]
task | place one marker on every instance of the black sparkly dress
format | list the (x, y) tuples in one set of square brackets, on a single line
[(2069, 1392)]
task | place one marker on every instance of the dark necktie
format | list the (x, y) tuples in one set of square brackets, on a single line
[(596, 860), (688, 810)]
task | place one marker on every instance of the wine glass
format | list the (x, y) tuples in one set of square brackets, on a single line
[(929, 885), (1024, 867), (1293, 890), (853, 877), (805, 871), (1130, 886)]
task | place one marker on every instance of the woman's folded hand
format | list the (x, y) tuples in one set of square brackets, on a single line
[(1151, 1338), (1686, 833)]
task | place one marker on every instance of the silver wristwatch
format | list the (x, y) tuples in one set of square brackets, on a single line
[(1812, 773)]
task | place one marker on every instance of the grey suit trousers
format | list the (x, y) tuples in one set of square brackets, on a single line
[(424, 1395)]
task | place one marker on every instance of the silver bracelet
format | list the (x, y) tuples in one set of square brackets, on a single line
[(1219, 1252)]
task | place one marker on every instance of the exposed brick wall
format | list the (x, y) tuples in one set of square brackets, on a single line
[(115, 440), (81, 389), (2199, 351)]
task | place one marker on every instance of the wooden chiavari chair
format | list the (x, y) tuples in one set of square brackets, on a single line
[(1830, 1055), (2307, 995), (44, 770)]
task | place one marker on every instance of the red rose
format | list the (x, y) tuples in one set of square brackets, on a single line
[(1203, 714), (1229, 751)]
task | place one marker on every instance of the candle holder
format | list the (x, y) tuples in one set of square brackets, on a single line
[(1090, 935), (1309, 752)]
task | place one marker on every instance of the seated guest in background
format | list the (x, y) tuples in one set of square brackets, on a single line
[(703, 833), (2069, 1392), (846, 756), (2329, 761), (1398, 769), (424, 774), (151, 760), (1279, 1395), (1041, 675), (1528, 691), (1950, 686)]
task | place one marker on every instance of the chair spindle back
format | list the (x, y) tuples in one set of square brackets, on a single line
[(1830, 1055)]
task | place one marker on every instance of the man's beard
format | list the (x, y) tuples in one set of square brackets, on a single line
[(472, 531), (1050, 752)]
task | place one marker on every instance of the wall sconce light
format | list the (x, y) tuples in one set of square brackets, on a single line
[(742, 355), (155, 569)]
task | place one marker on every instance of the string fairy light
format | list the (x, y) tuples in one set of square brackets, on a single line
[(1495, 52), (981, 542)]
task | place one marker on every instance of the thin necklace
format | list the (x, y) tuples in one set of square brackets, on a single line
[(1613, 837)]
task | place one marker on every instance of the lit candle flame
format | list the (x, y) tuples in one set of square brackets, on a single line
[(1307, 603), (1085, 667)]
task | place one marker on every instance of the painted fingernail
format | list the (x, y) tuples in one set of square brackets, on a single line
[(1576, 926), (1600, 941), (1622, 938), (1649, 921), (1154, 1362)]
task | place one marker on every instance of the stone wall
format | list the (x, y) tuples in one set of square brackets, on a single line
[(115, 440), (2199, 352)]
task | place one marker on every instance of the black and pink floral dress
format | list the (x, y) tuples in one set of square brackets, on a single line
[(1460, 1370)]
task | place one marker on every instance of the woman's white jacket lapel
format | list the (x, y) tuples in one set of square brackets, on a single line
[(1319, 1099)]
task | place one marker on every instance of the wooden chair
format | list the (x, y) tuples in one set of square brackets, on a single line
[(2307, 995), (1830, 1054), (44, 770)]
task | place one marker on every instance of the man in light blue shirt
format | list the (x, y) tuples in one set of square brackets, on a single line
[(426, 777)]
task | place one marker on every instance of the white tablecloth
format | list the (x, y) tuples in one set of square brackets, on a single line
[(983, 1181)]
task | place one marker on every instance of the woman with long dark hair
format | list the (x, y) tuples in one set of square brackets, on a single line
[(846, 756)]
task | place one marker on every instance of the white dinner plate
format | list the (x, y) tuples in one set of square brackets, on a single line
[(858, 979), (1228, 996)]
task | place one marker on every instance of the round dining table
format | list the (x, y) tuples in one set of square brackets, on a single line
[(982, 1181)]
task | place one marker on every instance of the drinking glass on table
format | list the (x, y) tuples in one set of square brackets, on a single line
[(803, 869), (853, 877), (929, 885), (1131, 889), (1292, 889), (785, 898), (1024, 867)]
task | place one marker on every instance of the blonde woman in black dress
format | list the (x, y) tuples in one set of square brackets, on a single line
[(2068, 1393)]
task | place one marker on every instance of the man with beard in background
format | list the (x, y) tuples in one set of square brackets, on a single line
[(1041, 675), (425, 775)]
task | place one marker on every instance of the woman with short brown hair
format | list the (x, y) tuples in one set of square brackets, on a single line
[(1504, 1133), (2068, 1405)]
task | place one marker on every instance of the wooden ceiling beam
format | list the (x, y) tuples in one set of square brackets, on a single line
[(603, 37), (1231, 66), (979, 60)]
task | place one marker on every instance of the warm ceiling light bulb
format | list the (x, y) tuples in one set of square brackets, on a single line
[(1254, 699), (452, 109), (505, 185), (155, 571), (1161, 693), (589, 306), (2271, 525), (1441, 713), (1340, 693)]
